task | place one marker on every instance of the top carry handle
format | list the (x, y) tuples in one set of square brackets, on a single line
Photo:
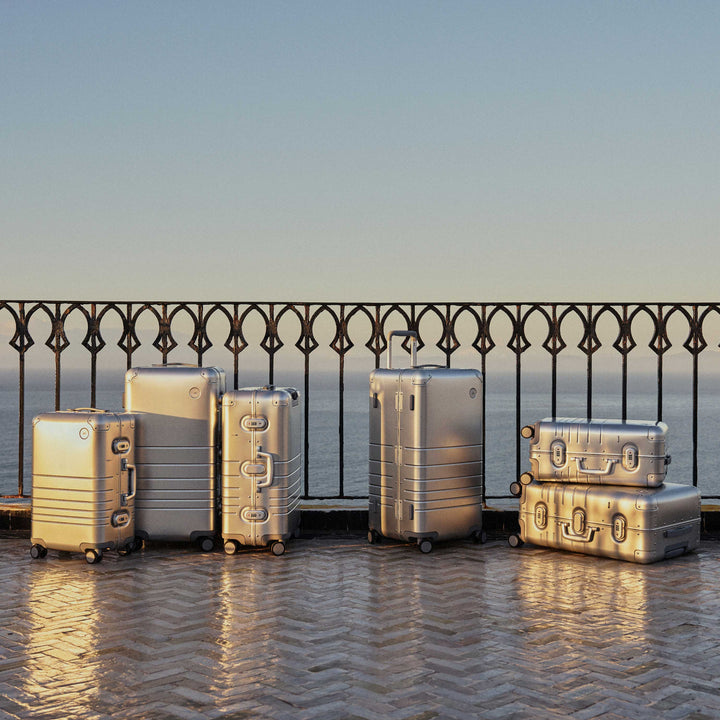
[(413, 345)]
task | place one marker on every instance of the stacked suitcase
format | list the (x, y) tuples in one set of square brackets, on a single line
[(598, 487), (105, 480), (426, 460)]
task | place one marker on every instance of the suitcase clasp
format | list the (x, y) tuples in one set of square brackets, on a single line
[(619, 529), (557, 450), (120, 519), (541, 516), (249, 514), (630, 456), (578, 531), (251, 423), (120, 446)]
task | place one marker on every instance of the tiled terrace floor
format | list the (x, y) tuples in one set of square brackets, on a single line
[(340, 629)]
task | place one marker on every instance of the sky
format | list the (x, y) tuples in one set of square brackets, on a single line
[(363, 151)]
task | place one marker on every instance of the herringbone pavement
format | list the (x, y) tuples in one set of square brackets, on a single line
[(340, 629)]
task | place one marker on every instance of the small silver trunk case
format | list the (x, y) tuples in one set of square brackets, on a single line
[(83, 482), (601, 452), (261, 467), (177, 433), (642, 525), (426, 461)]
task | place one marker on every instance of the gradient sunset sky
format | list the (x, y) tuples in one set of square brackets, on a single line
[(360, 151)]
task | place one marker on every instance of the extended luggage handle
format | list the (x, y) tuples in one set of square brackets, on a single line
[(588, 471), (413, 345)]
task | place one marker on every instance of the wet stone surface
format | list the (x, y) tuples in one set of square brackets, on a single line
[(336, 628)]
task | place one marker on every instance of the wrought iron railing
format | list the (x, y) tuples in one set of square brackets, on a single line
[(470, 330)]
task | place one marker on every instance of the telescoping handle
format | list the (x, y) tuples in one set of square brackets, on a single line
[(413, 345)]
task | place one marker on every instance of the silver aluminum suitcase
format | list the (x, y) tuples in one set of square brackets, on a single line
[(603, 452), (83, 483), (426, 463), (177, 446), (642, 525), (261, 467)]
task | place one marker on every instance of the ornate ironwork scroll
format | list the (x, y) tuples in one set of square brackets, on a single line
[(364, 326)]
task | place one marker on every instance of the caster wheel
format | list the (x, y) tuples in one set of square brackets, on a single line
[(231, 547), (515, 489), (527, 432), (123, 551), (136, 545), (526, 478), (426, 546), (373, 537), (207, 544), (480, 537), (277, 548), (38, 552), (514, 541), (92, 557)]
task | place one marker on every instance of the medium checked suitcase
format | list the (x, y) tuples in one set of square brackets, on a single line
[(83, 483), (425, 452), (642, 525), (177, 446), (603, 452), (261, 467)]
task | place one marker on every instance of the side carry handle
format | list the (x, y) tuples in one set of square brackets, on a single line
[(587, 536), (266, 481), (587, 471), (413, 345), (132, 485)]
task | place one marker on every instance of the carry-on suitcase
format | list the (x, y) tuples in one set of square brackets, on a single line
[(261, 477), (642, 525), (602, 452), (83, 483), (426, 462), (177, 444)]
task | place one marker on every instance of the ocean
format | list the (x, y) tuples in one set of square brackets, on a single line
[(500, 423)]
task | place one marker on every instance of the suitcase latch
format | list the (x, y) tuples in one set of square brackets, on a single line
[(249, 514), (120, 446), (541, 516), (578, 530), (249, 469), (630, 457), (578, 521), (557, 450), (619, 529), (120, 519), (251, 423)]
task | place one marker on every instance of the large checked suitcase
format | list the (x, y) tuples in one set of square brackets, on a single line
[(83, 482), (603, 452), (261, 467), (426, 462), (642, 525), (177, 446)]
